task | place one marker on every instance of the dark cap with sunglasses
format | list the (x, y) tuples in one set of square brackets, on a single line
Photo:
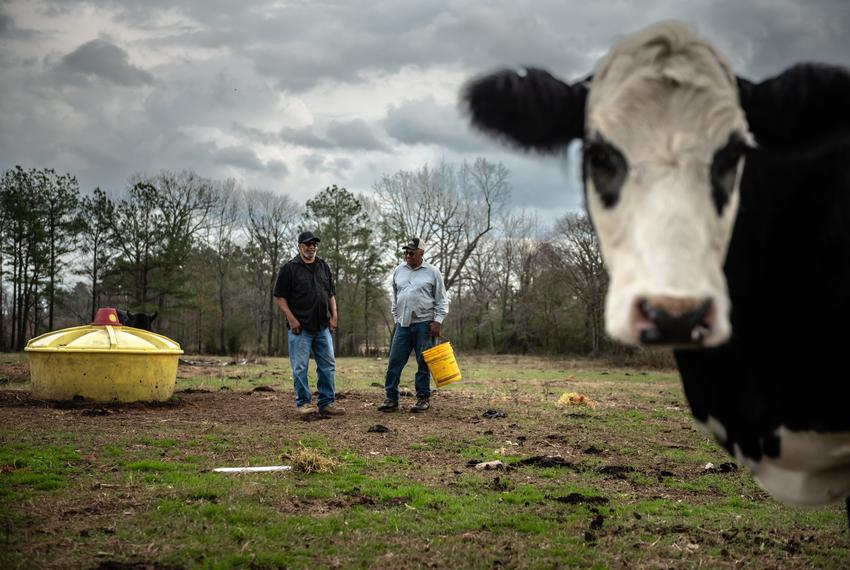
[(308, 237), (413, 244)]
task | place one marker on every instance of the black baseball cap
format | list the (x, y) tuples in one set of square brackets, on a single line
[(307, 237), (414, 244)]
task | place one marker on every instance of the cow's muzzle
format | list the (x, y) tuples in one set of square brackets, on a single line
[(673, 321)]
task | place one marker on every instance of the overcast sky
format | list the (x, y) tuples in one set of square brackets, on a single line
[(293, 95)]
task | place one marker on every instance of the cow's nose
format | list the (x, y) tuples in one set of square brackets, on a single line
[(673, 320)]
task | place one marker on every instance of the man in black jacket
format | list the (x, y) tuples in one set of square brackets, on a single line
[(306, 294)]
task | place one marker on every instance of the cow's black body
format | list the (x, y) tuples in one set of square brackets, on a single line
[(136, 320), (788, 273)]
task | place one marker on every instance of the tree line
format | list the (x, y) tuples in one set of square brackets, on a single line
[(204, 254)]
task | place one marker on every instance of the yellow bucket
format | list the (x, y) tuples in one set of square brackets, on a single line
[(441, 362)]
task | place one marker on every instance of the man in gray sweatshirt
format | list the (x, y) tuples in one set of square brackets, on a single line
[(419, 305)]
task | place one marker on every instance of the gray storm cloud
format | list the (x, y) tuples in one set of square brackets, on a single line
[(106, 61), (105, 88)]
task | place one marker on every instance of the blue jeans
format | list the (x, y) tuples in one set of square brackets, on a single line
[(407, 339), (322, 346)]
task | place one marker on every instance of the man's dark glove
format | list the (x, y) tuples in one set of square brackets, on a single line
[(435, 329)]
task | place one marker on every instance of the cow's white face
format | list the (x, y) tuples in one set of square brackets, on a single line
[(664, 137)]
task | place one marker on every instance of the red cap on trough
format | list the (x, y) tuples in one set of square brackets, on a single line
[(107, 316)]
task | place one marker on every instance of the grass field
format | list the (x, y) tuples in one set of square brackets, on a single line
[(621, 483)]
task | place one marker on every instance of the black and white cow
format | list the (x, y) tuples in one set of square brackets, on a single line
[(723, 213)]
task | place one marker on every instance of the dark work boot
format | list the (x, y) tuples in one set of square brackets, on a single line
[(422, 404), (388, 406), (331, 410)]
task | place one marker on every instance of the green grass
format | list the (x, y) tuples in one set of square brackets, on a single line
[(26, 470), (138, 485)]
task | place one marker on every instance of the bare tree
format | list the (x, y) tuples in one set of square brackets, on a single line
[(95, 216), (270, 223), (577, 249), (476, 296), (516, 248), (223, 228), (185, 201), (136, 228), (450, 208), (61, 194), (485, 191), (26, 246)]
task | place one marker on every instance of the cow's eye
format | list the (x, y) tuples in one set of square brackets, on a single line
[(607, 167), (724, 169)]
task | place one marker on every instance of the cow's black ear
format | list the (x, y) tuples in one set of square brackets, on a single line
[(531, 109), (803, 105)]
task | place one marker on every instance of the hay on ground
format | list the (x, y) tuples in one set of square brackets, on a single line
[(575, 399), (307, 460)]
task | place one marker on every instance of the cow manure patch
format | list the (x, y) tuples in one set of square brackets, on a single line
[(592, 450), (579, 499), (98, 411), (597, 521), (492, 414), (618, 471), (499, 484), (119, 565), (263, 389), (546, 461), (378, 428), (194, 391), (355, 499), (340, 504), (726, 467)]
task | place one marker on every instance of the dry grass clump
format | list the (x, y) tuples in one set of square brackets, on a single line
[(575, 399), (307, 460)]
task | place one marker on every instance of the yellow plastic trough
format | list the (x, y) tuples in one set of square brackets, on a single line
[(103, 362)]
